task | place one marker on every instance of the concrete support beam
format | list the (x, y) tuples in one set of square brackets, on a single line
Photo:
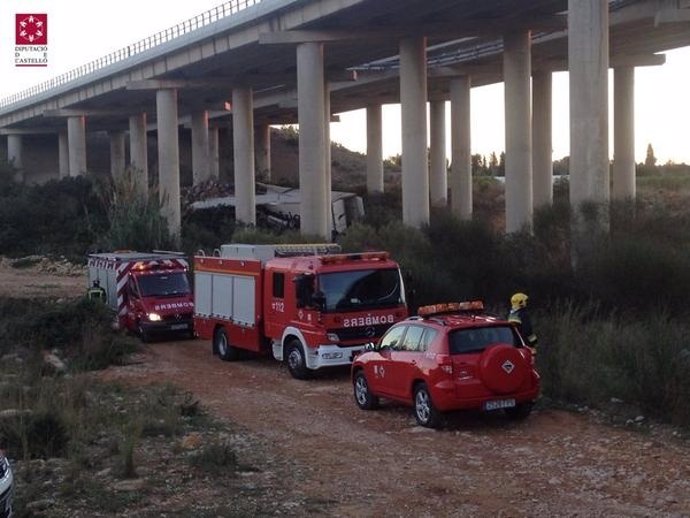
[(117, 153), (438, 171), (623, 184), (518, 127), (138, 152), (327, 162), (588, 57), (76, 140), (213, 153), (243, 145), (262, 141), (169, 159), (200, 147), (415, 168), (312, 139), (14, 155), (461, 166), (63, 154), (374, 149), (542, 152)]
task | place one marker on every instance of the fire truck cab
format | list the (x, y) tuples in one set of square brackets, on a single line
[(307, 305), (150, 292)]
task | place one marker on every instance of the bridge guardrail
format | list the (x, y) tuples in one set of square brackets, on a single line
[(202, 20)]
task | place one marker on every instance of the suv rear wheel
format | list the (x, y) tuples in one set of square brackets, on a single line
[(520, 411), (363, 396), (424, 410)]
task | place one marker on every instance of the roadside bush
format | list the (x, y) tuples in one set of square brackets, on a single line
[(589, 356), (58, 218), (134, 220), (216, 458)]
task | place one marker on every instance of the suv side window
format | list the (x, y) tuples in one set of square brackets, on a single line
[(393, 338), (427, 338), (412, 338)]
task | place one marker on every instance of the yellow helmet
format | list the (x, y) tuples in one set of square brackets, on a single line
[(518, 300)]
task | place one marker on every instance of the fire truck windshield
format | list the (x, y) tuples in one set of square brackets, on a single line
[(361, 289), (163, 285)]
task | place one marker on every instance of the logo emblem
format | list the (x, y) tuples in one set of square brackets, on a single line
[(31, 29), (508, 366), (369, 332)]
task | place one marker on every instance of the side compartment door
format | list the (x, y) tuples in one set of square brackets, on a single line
[(275, 307)]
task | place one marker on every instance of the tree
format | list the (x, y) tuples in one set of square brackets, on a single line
[(650, 160)]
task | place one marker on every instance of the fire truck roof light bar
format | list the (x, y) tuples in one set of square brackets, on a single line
[(365, 256), (306, 249)]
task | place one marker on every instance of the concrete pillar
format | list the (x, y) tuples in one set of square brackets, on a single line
[(438, 171), (14, 155), (518, 128), (623, 184), (138, 152), (63, 154), (311, 107), (588, 62), (169, 158), (327, 158), (200, 147), (415, 168), (243, 146), (117, 153), (542, 152), (374, 149), (213, 153), (461, 165), (262, 141), (76, 141)]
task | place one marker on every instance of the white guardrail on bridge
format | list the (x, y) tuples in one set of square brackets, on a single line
[(206, 18)]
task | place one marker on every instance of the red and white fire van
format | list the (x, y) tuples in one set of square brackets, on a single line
[(149, 291), (307, 304)]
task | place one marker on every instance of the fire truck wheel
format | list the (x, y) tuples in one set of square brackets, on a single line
[(295, 360), (226, 351)]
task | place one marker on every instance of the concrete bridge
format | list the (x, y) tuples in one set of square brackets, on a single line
[(253, 63)]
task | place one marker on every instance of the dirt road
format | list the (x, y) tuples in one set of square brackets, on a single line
[(380, 464), (357, 463)]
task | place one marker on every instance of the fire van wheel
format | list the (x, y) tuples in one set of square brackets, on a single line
[(226, 351), (363, 396), (144, 335), (424, 410), (295, 361)]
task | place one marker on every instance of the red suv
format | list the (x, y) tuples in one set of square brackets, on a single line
[(451, 357)]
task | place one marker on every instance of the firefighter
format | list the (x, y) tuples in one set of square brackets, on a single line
[(96, 292), (520, 317)]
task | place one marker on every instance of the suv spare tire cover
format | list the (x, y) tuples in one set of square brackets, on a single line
[(502, 368)]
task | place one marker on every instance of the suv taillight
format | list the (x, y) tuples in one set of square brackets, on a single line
[(445, 363)]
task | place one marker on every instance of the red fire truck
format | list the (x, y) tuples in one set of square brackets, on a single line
[(308, 305), (149, 291)]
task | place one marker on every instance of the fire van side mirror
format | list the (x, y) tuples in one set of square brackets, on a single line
[(371, 346)]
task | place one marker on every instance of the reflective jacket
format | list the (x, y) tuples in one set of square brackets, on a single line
[(520, 317)]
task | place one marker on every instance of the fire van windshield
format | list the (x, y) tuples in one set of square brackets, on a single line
[(164, 285), (362, 289)]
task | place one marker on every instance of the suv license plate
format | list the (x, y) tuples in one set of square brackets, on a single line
[(176, 327), (498, 404)]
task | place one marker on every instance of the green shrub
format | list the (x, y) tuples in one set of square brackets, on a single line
[(216, 458)]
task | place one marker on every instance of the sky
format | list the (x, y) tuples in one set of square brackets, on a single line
[(81, 31)]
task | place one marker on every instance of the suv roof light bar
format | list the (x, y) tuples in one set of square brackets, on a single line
[(450, 307)]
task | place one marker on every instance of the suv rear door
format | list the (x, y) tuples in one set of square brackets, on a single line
[(486, 361)]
